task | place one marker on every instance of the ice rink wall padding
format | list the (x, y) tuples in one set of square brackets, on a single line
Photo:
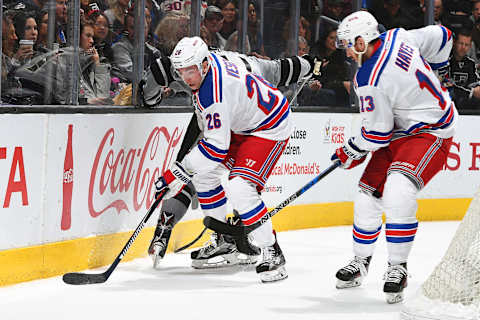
[(74, 186)]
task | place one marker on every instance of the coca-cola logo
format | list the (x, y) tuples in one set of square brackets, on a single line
[(118, 172)]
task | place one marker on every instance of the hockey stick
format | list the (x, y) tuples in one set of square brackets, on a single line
[(90, 278), (239, 231), (316, 72), (188, 245)]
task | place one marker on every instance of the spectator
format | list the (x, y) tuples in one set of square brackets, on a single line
[(25, 29), (102, 36), (253, 30), (61, 21), (464, 85), (475, 51), (124, 51), (213, 23), (180, 6), (172, 28), (335, 72), (42, 38), (457, 15), (116, 16), (392, 15), (9, 38), (303, 31), (230, 16), (94, 77)]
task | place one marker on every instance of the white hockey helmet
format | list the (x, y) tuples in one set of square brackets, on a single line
[(357, 24), (189, 52)]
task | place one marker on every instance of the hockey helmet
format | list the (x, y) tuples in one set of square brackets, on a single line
[(189, 52), (358, 24)]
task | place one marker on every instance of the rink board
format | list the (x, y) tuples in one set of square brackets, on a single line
[(117, 157)]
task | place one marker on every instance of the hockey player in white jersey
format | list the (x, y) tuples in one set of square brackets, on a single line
[(247, 125), (408, 123), (281, 72)]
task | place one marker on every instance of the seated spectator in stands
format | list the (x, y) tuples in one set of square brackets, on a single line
[(124, 51), (253, 29), (28, 5), (230, 16), (172, 28), (61, 19), (42, 37), (475, 51), (303, 31), (335, 72), (463, 80), (9, 38), (94, 84), (25, 29), (213, 23), (102, 36), (457, 15), (116, 16), (392, 15)]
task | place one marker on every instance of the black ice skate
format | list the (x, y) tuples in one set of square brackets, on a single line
[(159, 243), (219, 251), (352, 274), (272, 266), (395, 281)]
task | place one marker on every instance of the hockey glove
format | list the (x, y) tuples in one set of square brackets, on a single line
[(175, 179), (315, 65), (349, 155)]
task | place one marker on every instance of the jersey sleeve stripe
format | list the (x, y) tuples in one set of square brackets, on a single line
[(390, 50), (211, 152), (447, 34), (377, 137), (218, 80)]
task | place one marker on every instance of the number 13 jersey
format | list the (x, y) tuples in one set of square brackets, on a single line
[(399, 93)]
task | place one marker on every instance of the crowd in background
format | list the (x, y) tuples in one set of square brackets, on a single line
[(35, 71)]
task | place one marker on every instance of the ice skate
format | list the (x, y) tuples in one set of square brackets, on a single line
[(395, 281), (272, 266), (219, 251), (158, 245), (352, 274)]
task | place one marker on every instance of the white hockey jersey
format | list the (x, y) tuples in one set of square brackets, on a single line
[(231, 100), (399, 93)]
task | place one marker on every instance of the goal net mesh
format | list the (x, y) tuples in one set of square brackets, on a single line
[(453, 289)]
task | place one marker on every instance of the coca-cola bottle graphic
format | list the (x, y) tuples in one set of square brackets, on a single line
[(67, 183)]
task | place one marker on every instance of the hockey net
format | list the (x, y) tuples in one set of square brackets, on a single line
[(453, 289)]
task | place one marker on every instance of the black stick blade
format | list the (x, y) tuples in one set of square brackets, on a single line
[(222, 227), (77, 278)]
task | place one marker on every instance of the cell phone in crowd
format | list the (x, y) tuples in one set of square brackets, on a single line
[(25, 42)]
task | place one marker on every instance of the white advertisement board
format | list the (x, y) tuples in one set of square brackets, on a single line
[(79, 175)]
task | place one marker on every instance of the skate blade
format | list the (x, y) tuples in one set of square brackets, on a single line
[(274, 275), (348, 284), (156, 258), (394, 297), (216, 262)]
